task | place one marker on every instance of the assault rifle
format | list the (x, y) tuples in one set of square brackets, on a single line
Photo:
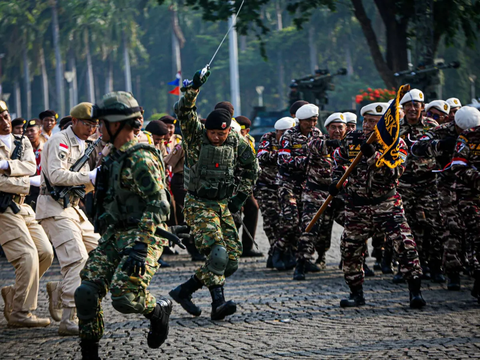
[(63, 192), (6, 199)]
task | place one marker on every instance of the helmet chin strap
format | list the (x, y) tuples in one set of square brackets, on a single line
[(114, 136)]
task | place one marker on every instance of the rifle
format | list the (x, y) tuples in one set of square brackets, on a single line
[(62, 192), (237, 217), (6, 199)]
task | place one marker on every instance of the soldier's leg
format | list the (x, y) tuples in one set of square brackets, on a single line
[(232, 243), (250, 219), (470, 213), (90, 237), (266, 199)]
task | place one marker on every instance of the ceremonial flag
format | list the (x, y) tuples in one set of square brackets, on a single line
[(176, 82), (175, 91), (388, 131)]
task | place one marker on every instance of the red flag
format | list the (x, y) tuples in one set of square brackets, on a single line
[(175, 91)]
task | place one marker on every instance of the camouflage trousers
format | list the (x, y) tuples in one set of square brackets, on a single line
[(211, 223), (361, 222), (104, 268), (469, 210), (335, 212), (267, 197), (289, 198), (453, 255), (422, 206)]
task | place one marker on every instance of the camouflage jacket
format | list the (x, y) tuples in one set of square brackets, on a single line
[(417, 169), (292, 156), (320, 164), (466, 163), (428, 147), (267, 158), (366, 180), (193, 131)]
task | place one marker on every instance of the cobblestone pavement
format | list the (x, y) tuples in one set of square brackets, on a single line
[(276, 318)]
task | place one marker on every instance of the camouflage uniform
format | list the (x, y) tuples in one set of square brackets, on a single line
[(210, 220), (418, 188), (431, 146), (372, 205), (292, 162), (266, 189), (143, 174)]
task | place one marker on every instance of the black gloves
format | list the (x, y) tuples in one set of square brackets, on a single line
[(135, 263), (333, 143), (199, 80), (235, 204), (447, 144), (368, 150), (181, 231), (332, 189)]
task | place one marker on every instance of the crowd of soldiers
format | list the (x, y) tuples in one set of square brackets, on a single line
[(109, 198)]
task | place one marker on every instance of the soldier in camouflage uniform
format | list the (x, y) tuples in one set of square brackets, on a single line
[(319, 177), (292, 162), (266, 189), (465, 164), (132, 203), (373, 204), (214, 157), (419, 188), (439, 143)]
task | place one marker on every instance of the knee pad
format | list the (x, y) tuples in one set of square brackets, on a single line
[(232, 266), (217, 260), (129, 303), (86, 300)]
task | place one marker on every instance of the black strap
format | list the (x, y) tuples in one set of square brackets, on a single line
[(363, 201)]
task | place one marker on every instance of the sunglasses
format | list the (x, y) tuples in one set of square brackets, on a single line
[(434, 116)]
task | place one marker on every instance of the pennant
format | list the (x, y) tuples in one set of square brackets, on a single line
[(388, 131), (176, 82), (175, 91)]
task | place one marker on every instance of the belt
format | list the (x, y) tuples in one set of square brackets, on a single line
[(362, 201), (313, 186), (73, 200), (195, 195), (418, 179)]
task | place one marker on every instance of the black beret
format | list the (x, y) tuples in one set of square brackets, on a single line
[(297, 105), (33, 122), (244, 122), (64, 121), (157, 127), (48, 113), (225, 105), (219, 119), (17, 121), (167, 119)]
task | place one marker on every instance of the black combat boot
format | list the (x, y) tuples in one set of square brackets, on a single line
[(311, 267), (398, 278), (355, 299), (368, 272), (387, 262), (322, 260), (182, 294), (300, 270), (89, 349), (269, 262), (476, 286), (277, 260), (437, 273), (416, 298), (220, 307), (159, 323), (377, 254), (289, 259), (426, 271), (453, 283)]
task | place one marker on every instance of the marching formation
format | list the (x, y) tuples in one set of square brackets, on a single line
[(108, 198)]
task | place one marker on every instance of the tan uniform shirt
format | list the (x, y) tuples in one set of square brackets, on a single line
[(174, 141), (43, 138), (59, 154), (176, 159), (16, 179)]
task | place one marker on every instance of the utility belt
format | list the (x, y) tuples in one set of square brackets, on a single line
[(421, 179), (204, 197), (73, 200), (363, 201), (318, 187)]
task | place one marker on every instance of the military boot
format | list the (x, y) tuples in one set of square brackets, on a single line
[(182, 294), (269, 262), (387, 262), (220, 307), (300, 270), (311, 267), (416, 298), (289, 259), (355, 299), (19, 319), (426, 272), (321, 261), (7, 294), (89, 349), (377, 254), (277, 260), (398, 278), (368, 272), (453, 283), (69, 323), (54, 291), (437, 273), (159, 323), (476, 286)]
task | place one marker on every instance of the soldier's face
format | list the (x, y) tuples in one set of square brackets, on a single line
[(5, 123), (278, 134), (244, 132), (83, 128), (307, 125), (17, 130), (33, 134), (48, 123), (369, 122), (336, 131), (351, 127), (157, 139), (451, 114), (437, 115), (217, 137), (413, 111), (171, 130)]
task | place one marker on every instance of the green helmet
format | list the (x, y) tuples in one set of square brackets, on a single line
[(117, 106)]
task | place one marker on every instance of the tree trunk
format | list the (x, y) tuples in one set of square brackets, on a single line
[(126, 59), (313, 48), (58, 61), (385, 72), (18, 99), (43, 69), (280, 64), (73, 67), (90, 81), (28, 87), (109, 77)]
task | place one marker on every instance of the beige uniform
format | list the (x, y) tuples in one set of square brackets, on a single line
[(69, 230), (24, 241), (174, 141)]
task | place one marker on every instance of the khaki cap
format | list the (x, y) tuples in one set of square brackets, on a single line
[(83, 111)]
